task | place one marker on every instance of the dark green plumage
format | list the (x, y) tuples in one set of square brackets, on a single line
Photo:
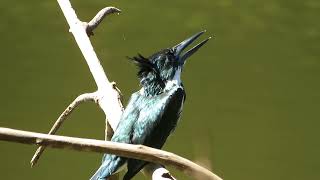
[(153, 112)]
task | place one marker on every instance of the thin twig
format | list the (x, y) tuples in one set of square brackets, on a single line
[(126, 150), (81, 98), (94, 23)]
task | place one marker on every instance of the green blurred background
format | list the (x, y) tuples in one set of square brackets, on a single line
[(253, 93)]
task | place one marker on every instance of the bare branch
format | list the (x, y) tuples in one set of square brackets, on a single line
[(81, 98), (126, 150), (109, 97)]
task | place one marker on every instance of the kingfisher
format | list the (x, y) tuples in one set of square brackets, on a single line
[(152, 112)]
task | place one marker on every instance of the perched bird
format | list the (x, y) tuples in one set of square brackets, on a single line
[(152, 112)]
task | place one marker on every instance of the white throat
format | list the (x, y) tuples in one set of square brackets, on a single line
[(175, 81)]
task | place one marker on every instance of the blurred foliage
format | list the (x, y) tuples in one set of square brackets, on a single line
[(252, 109)]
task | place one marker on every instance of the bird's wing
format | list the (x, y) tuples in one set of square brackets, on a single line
[(112, 163), (124, 130), (156, 121), (158, 112)]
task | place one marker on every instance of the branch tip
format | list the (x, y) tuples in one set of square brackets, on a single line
[(96, 20)]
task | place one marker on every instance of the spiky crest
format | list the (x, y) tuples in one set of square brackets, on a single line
[(149, 75)]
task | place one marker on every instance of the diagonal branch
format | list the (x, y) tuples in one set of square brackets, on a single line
[(81, 98), (107, 95), (126, 150)]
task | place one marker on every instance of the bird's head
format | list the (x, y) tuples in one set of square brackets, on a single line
[(165, 66)]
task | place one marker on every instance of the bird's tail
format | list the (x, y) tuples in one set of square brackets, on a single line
[(111, 164), (96, 175)]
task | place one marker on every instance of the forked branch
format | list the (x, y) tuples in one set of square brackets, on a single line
[(107, 96)]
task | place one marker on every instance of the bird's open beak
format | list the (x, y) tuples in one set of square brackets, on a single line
[(184, 44)]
